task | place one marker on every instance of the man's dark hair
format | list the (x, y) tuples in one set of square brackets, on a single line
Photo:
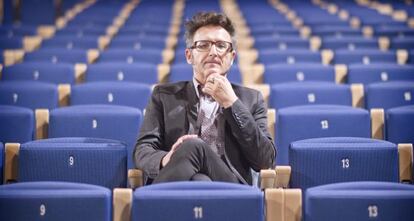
[(202, 19)]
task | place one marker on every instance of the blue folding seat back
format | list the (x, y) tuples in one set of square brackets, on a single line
[(117, 93), (131, 56), (360, 201), (137, 43), (82, 160), (101, 121), (366, 57), (17, 124), (38, 12), (366, 74), (184, 72), (29, 94), (11, 43), (281, 73), (313, 121), (302, 93), (187, 201), (389, 94), (350, 43), (1, 162), (402, 43), (281, 43), (55, 201), (292, 56), (342, 159), (69, 43), (400, 124), (17, 30), (37, 71), (112, 71), (58, 56)]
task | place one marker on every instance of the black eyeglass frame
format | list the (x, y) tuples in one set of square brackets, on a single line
[(211, 44)]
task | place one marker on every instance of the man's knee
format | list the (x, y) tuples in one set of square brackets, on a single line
[(192, 146)]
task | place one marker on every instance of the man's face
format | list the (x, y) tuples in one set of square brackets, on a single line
[(214, 60)]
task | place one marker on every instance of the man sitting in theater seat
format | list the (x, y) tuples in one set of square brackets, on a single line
[(206, 128)]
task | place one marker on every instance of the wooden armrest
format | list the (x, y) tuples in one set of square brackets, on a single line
[(377, 123), (135, 178), (282, 176), (357, 91), (283, 204), (267, 178), (64, 94), (42, 123), (11, 162), (405, 155), (122, 203)]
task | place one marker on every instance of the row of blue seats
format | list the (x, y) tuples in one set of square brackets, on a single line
[(46, 95), (289, 124), (219, 201)]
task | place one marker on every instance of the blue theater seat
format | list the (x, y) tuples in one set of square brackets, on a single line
[(54, 55), (117, 93), (29, 94), (360, 201), (135, 43), (184, 72), (342, 159), (366, 74), (82, 160), (389, 94), (364, 56), (115, 71), (101, 121), (280, 73), (38, 71), (185, 201), (1, 162), (69, 43), (350, 43), (302, 93), (292, 56), (402, 43), (313, 121), (400, 124), (129, 56), (55, 201), (281, 43), (17, 124)]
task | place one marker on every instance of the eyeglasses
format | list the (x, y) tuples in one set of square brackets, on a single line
[(222, 47)]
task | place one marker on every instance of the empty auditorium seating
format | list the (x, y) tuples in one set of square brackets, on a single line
[(29, 94), (360, 201), (311, 121), (366, 74), (342, 159), (400, 124), (302, 93), (197, 200), (83, 160), (1, 162), (389, 94), (57, 73), (55, 201), (72, 56), (280, 73), (101, 121), (111, 71), (117, 93), (364, 56), (128, 56), (291, 56), (17, 124)]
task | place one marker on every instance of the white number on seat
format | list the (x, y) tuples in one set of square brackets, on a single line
[(42, 210), (372, 211), (324, 124), (345, 163), (71, 160), (198, 212)]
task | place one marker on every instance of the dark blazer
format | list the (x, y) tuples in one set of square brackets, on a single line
[(172, 113)]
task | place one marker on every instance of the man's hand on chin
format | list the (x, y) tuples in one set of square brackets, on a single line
[(219, 87)]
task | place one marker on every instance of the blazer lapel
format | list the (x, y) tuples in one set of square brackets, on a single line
[(192, 109)]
